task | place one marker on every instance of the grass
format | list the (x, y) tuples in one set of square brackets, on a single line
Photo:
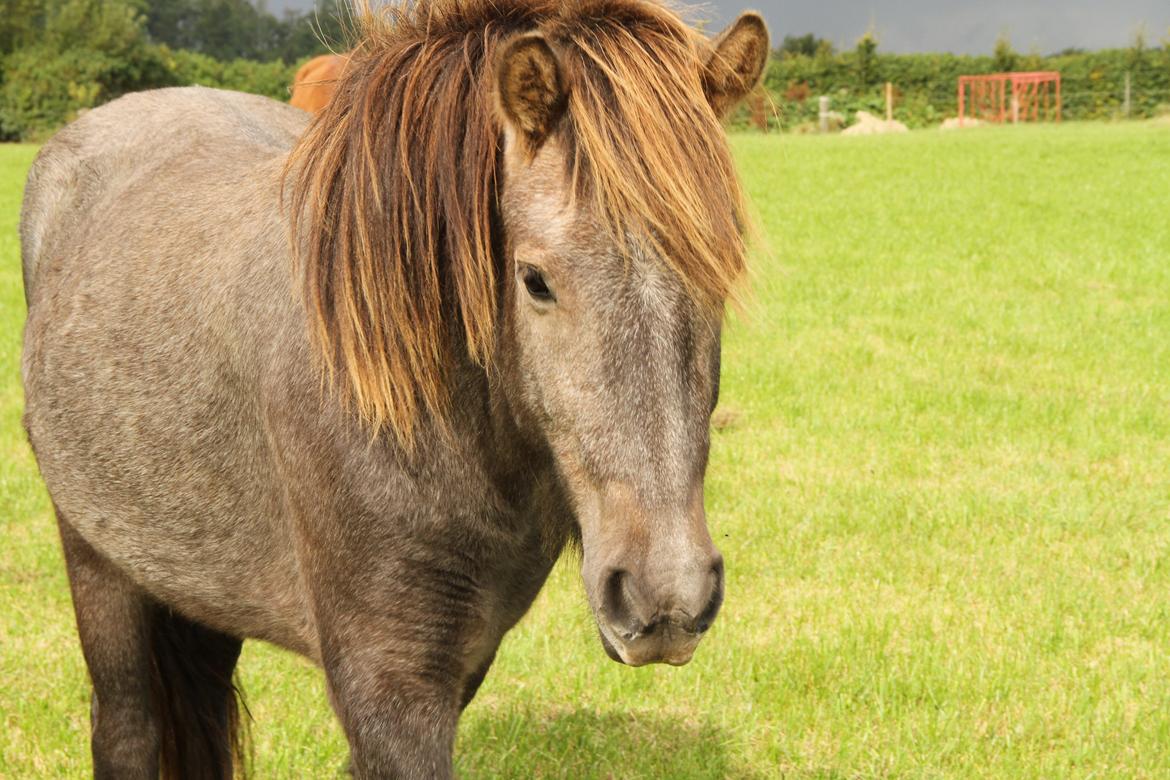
[(944, 499)]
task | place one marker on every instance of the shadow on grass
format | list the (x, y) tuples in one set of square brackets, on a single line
[(587, 744)]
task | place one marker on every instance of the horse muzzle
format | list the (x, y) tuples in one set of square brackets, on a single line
[(638, 629)]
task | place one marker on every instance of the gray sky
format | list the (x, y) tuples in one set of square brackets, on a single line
[(963, 26), (960, 26)]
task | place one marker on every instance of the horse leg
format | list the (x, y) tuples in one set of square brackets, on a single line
[(399, 724), (394, 676), (162, 684), (113, 621)]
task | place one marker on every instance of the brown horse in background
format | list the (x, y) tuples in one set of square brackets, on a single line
[(351, 389), (316, 81)]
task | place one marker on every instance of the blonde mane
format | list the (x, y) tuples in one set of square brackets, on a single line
[(392, 190)]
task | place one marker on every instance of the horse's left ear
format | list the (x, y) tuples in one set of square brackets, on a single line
[(531, 88), (736, 63)]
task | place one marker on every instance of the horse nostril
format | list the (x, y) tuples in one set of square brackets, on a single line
[(707, 616), (617, 604)]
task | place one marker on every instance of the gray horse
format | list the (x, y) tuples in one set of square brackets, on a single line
[(351, 386)]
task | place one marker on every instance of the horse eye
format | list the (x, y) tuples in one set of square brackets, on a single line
[(537, 287)]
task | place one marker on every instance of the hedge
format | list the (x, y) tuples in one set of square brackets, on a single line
[(43, 89), (926, 84)]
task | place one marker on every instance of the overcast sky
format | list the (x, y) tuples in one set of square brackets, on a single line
[(964, 26), (961, 26)]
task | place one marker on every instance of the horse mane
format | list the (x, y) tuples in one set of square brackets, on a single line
[(392, 190)]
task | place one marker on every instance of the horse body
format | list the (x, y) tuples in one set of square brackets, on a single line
[(134, 478), (230, 460), (223, 371), (315, 81)]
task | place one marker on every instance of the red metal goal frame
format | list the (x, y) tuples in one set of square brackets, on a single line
[(1014, 97)]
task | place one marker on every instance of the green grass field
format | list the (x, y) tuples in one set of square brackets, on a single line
[(943, 496)]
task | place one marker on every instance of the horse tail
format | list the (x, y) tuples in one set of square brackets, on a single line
[(203, 734)]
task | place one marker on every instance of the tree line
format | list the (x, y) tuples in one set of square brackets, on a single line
[(223, 29), (60, 57)]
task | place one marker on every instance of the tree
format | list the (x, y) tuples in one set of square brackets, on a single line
[(231, 29), (807, 45), (323, 28), (1137, 49), (1005, 58), (173, 22), (114, 28), (87, 52), (867, 58), (1139, 44), (20, 23)]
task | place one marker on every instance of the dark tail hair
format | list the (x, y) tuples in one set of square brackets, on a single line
[(198, 703)]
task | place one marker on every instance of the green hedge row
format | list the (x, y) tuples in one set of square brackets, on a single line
[(43, 89), (926, 84)]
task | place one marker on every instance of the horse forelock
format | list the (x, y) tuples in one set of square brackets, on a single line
[(392, 191)]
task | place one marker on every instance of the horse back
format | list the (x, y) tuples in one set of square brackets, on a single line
[(103, 148)]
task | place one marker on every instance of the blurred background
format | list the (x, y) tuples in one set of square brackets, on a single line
[(59, 57)]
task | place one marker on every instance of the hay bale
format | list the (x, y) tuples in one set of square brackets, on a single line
[(868, 124)]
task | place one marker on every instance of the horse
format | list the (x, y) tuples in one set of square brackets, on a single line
[(316, 80), (351, 384)]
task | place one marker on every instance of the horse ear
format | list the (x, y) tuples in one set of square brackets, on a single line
[(736, 63), (531, 88)]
